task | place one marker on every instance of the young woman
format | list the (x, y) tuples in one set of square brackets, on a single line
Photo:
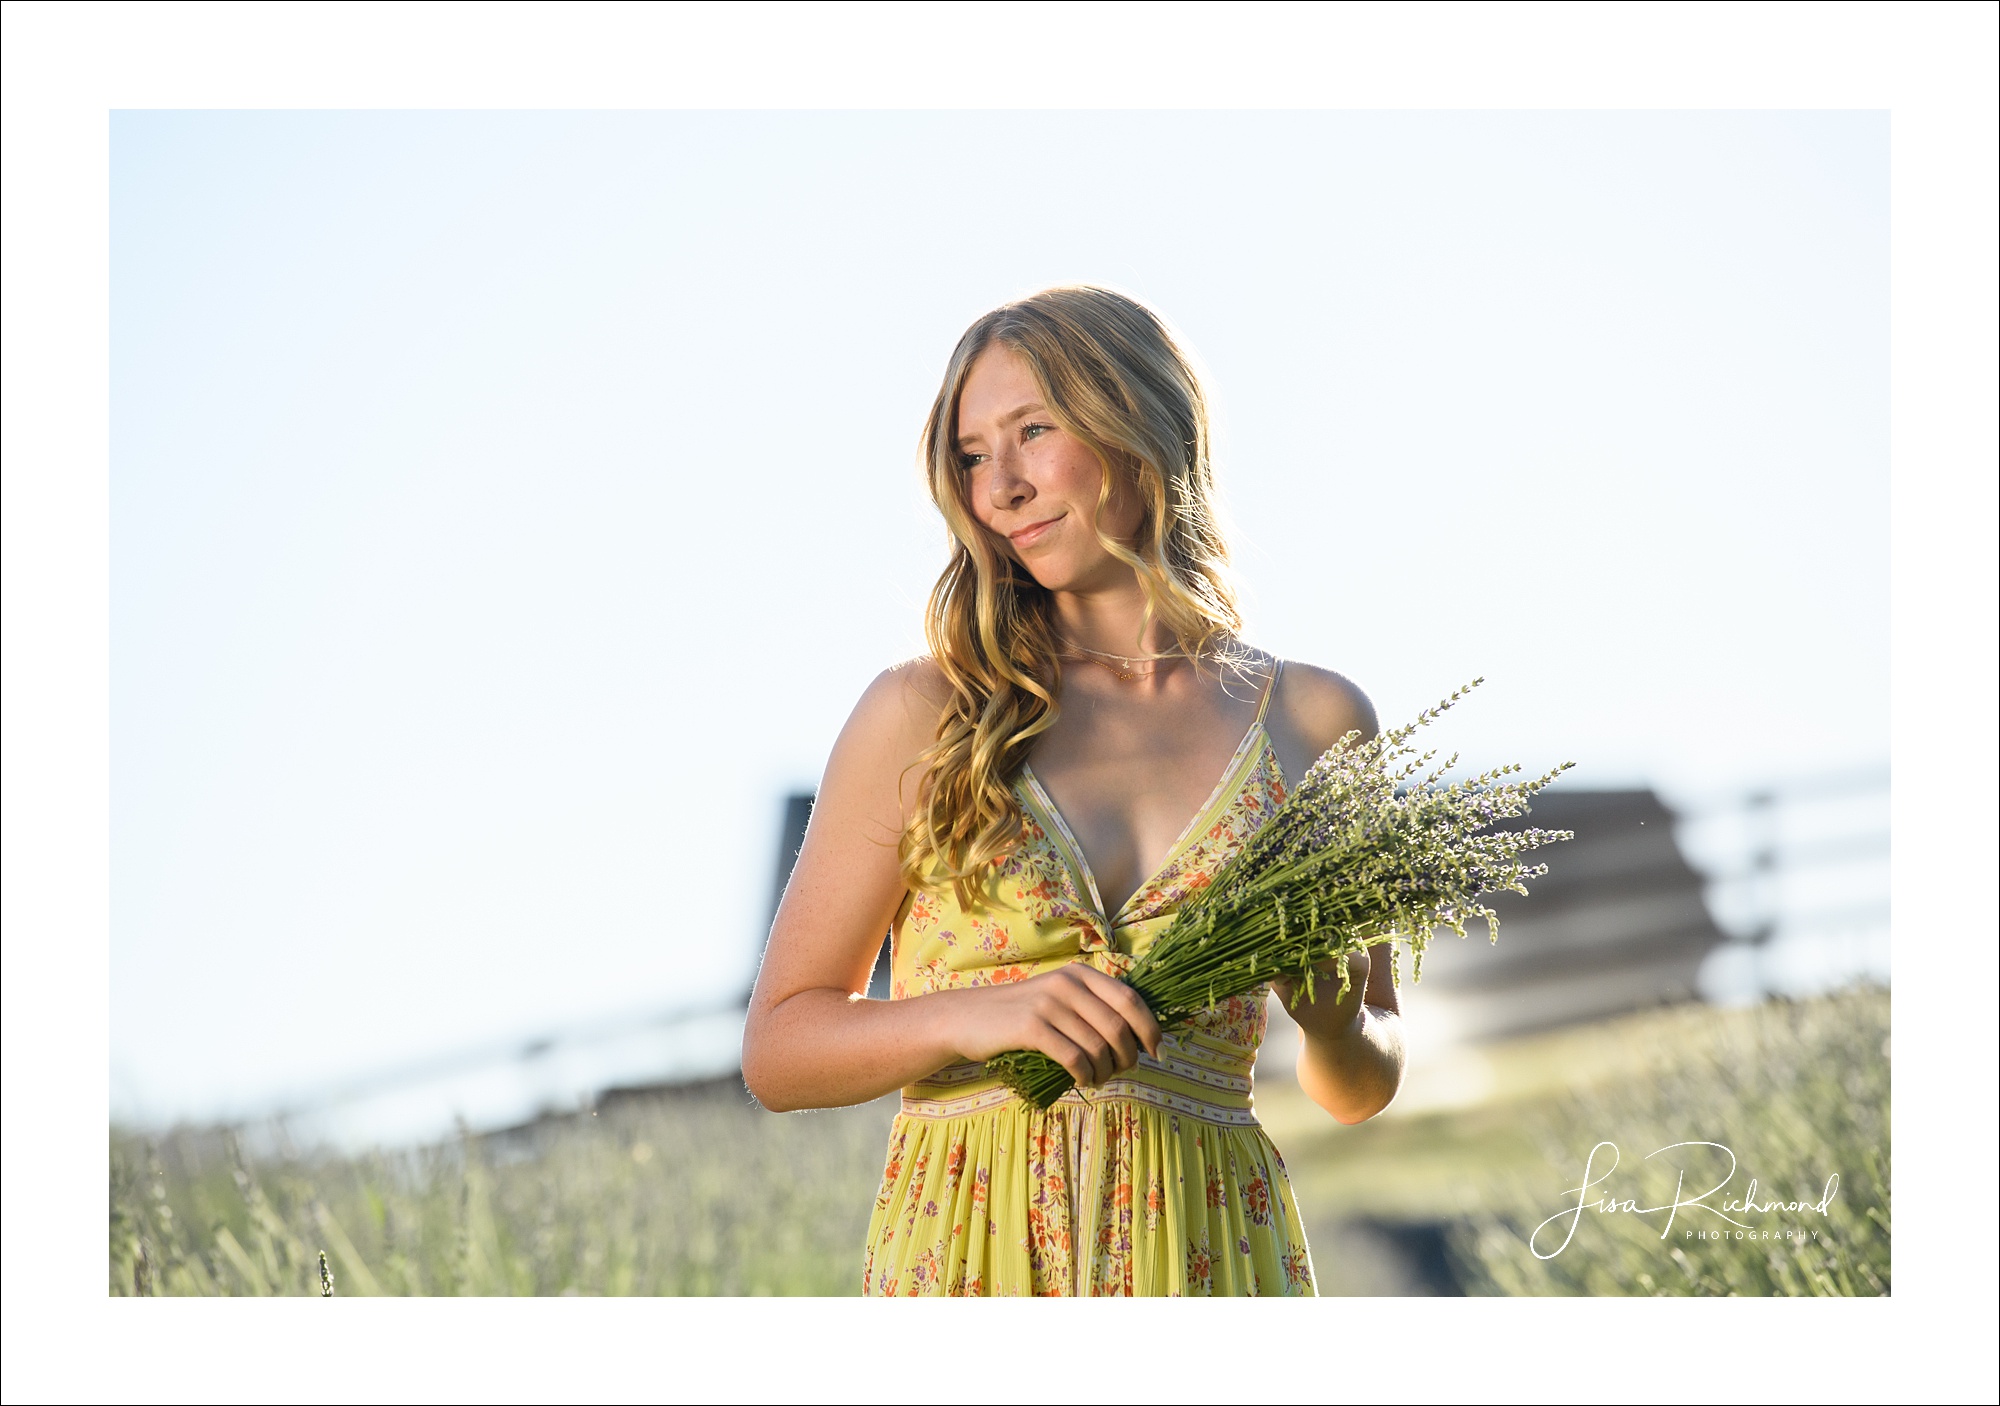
[(1023, 810)]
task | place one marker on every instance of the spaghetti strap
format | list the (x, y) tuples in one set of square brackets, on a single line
[(1264, 704)]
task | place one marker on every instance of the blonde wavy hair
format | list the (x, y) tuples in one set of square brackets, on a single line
[(1111, 374)]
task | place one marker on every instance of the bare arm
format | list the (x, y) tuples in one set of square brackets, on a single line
[(810, 1040), (1351, 1057)]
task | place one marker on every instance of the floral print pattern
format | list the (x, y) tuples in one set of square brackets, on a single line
[(1162, 1183)]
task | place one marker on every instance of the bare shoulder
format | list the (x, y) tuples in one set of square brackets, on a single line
[(1313, 709), (1322, 703), (885, 736), (904, 699)]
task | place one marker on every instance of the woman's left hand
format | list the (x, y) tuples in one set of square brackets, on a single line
[(1351, 1059), (1326, 1013)]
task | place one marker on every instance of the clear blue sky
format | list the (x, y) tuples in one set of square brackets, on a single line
[(506, 509)]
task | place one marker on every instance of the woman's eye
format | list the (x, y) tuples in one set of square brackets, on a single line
[(1033, 431), (970, 461)]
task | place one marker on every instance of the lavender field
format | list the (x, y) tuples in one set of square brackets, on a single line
[(701, 1192)]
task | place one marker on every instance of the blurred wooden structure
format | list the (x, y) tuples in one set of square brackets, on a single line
[(1617, 924)]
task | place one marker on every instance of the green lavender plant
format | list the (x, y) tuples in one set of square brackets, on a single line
[(1359, 854), (690, 1192), (1797, 1091)]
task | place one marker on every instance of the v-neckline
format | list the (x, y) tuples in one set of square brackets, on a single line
[(1075, 846)]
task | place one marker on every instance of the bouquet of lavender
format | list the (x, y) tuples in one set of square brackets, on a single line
[(1358, 854)]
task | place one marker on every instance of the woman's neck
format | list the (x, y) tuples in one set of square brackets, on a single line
[(1111, 621)]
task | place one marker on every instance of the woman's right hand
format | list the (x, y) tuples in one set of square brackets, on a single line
[(1091, 1024)]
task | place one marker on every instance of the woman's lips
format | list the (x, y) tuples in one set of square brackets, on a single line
[(1028, 536)]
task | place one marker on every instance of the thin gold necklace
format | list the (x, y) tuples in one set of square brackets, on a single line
[(1105, 656)]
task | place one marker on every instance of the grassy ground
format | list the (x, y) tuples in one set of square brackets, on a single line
[(1796, 1092), (694, 1193), (701, 1193)]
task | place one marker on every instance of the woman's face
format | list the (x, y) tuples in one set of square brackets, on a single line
[(1033, 485)]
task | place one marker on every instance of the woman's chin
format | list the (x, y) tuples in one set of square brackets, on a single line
[(1075, 577)]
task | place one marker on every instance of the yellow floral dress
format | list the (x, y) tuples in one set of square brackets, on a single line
[(1160, 1181)]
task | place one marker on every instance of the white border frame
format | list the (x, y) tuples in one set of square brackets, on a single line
[(67, 66)]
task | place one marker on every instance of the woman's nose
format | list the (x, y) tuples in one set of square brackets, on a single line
[(1008, 487)]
